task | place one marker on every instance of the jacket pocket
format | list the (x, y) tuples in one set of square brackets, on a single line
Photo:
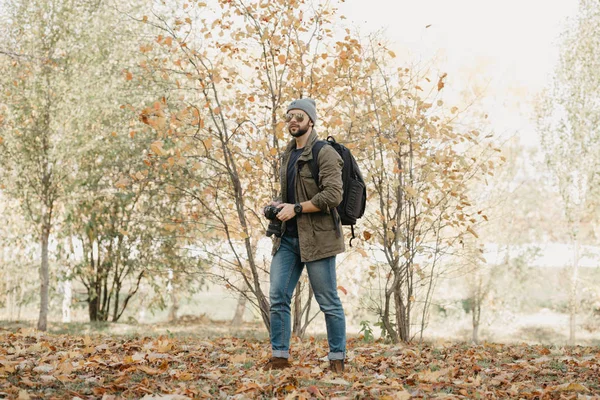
[(308, 182), (322, 221)]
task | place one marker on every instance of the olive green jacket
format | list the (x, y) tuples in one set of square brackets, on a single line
[(317, 232)]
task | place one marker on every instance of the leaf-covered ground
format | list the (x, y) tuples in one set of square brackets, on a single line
[(49, 366)]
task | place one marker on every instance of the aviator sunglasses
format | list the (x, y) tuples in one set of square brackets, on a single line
[(296, 116)]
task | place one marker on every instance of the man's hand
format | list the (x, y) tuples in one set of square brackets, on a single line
[(286, 213)]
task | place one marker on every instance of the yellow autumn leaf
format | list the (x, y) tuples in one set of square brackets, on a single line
[(148, 370), (392, 54), (569, 387), (122, 183), (238, 358), (410, 191), (472, 232), (281, 59), (156, 147), (170, 189), (402, 394), (432, 376), (170, 227), (207, 143), (23, 395)]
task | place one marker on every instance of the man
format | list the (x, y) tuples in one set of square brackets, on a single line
[(312, 236)]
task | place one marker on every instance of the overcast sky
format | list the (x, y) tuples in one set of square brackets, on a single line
[(512, 44)]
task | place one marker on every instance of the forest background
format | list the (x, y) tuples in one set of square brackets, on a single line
[(140, 140)]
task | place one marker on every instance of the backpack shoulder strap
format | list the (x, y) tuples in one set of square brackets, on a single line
[(314, 170), (313, 164)]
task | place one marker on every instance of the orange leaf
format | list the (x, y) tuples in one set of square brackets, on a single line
[(251, 99), (281, 59), (343, 289), (441, 83), (148, 370), (248, 387), (315, 392)]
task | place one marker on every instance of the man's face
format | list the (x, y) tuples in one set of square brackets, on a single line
[(298, 122)]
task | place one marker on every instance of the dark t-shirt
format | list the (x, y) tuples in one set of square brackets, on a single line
[(291, 228)]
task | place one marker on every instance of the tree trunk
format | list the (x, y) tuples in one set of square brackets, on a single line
[(175, 307), (402, 320), (66, 303), (174, 303), (476, 319), (240, 309), (93, 303), (10, 295), (44, 278), (573, 306)]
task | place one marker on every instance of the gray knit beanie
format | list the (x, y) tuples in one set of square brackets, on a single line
[(307, 105)]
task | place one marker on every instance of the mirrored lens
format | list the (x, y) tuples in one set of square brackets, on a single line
[(297, 117)]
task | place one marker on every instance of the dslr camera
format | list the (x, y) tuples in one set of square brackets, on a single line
[(274, 227)]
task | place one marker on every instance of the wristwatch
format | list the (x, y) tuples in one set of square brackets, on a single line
[(298, 208)]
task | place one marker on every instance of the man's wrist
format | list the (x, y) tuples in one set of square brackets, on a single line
[(298, 208)]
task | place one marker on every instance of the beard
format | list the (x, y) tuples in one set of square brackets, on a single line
[(299, 132)]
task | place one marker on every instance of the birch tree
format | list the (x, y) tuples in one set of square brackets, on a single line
[(568, 120)]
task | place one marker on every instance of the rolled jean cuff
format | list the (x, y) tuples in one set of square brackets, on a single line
[(337, 356), (281, 353)]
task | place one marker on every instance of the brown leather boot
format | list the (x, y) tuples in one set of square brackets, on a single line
[(336, 366), (277, 363)]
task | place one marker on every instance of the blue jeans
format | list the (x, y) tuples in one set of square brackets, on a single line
[(286, 268)]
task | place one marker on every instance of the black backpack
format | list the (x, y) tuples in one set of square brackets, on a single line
[(354, 199)]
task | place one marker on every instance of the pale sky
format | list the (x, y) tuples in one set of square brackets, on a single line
[(512, 44)]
